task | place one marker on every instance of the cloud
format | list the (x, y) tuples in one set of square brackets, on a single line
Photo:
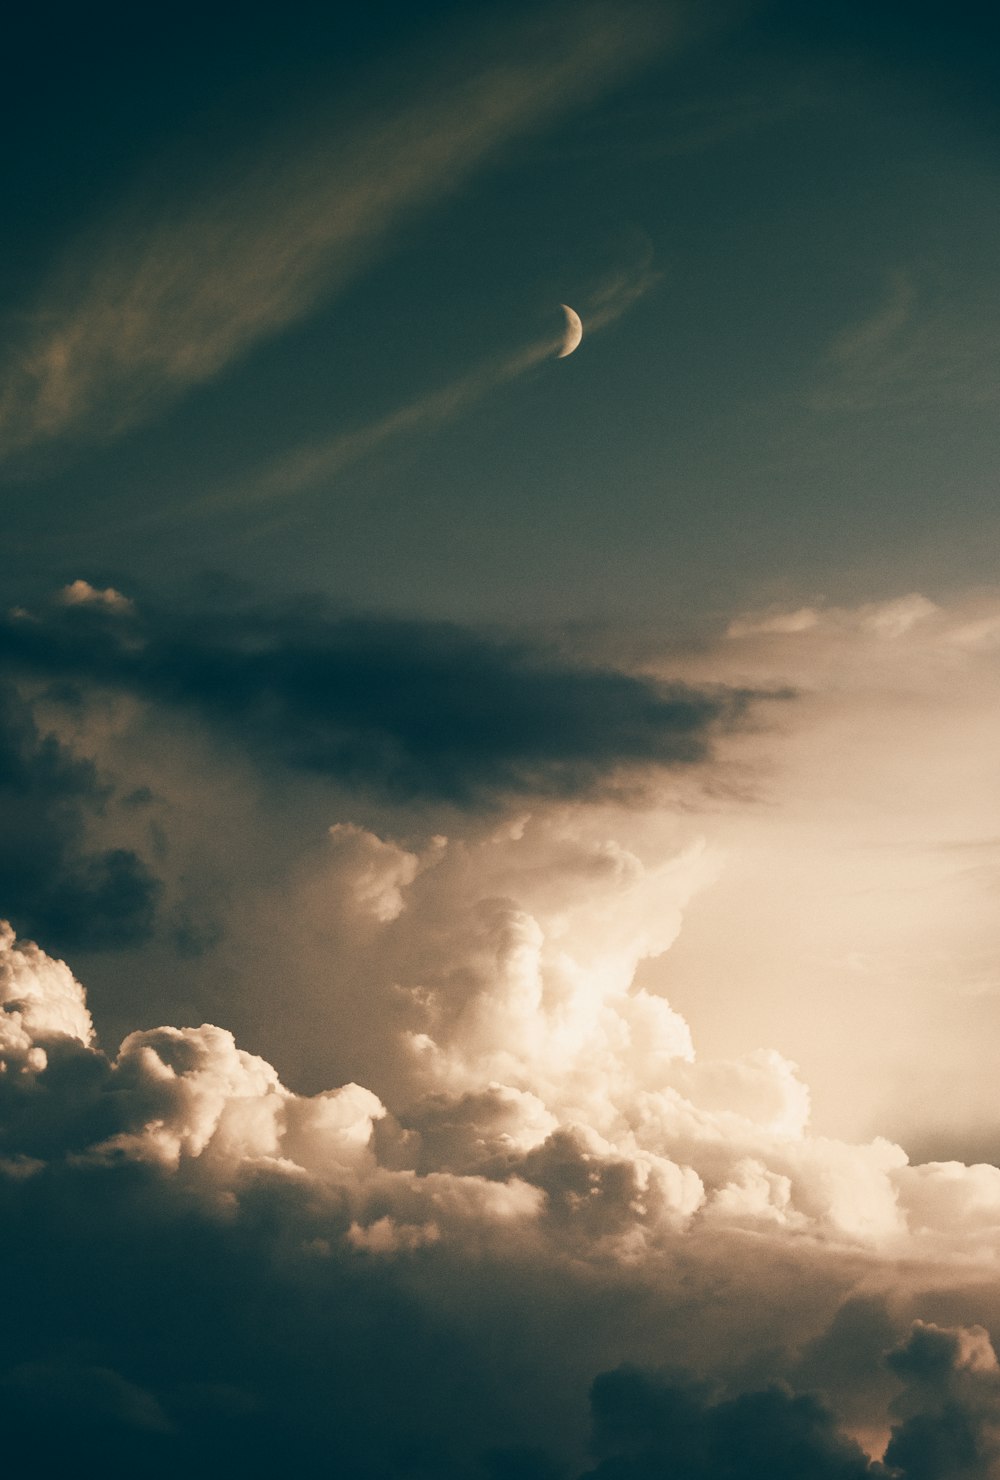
[(171, 291), (855, 864), (406, 709), (444, 1272), (860, 864), (928, 342), (645, 1426), (82, 593), (321, 463), (52, 879), (948, 1416), (529, 1168), (375, 873), (546, 1088), (40, 997)]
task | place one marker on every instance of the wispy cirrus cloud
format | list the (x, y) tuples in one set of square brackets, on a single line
[(171, 290), (926, 342), (320, 462)]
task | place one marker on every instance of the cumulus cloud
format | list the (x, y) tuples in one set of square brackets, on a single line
[(560, 1155), (857, 899), (39, 997), (543, 1084), (82, 593), (53, 880), (531, 1142), (374, 872), (948, 1415), (497, 979), (645, 1426)]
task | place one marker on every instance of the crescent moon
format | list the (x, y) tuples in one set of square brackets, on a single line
[(574, 331)]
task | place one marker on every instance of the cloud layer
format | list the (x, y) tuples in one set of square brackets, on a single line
[(408, 709)]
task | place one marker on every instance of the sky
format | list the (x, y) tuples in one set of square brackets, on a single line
[(500, 849)]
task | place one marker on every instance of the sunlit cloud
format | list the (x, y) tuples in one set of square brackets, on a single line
[(82, 593), (526, 1108), (861, 865)]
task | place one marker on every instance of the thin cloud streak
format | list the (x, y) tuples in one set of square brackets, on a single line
[(170, 295), (308, 466), (928, 342)]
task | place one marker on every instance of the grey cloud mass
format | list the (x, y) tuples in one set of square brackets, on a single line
[(406, 709), (647, 1427), (53, 880)]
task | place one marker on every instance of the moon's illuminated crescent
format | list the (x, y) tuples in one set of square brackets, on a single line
[(574, 331)]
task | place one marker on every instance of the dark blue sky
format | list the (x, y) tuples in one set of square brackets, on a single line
[(800, 402)]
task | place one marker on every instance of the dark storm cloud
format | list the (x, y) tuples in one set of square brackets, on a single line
[(158, 1331), (213, 1349), (647, 1427), (407, 709), (51, 881), (949, 1410), (156, 1328), (847, 1360)]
